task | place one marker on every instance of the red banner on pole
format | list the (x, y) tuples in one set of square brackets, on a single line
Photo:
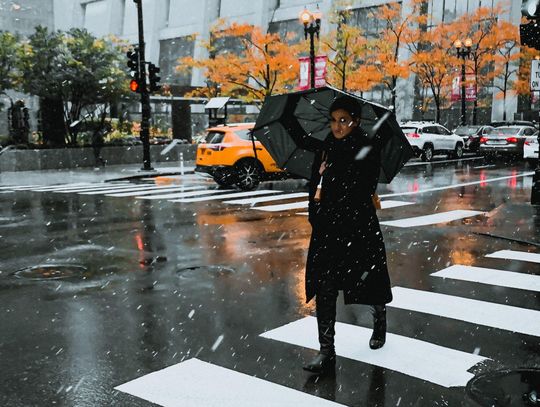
[(305, 72), (470, 89)]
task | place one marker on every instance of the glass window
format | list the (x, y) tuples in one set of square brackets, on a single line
[(408, 130), (214, 137), (170, 51), (243, 134), (443, 131), (290, 31)]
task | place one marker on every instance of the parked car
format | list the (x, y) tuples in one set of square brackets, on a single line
[(226, 154), (506, 140), (428, 139), (513, 123), (471, 135), (530, 149)]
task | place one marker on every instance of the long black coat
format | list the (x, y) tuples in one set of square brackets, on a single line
[(346, 241)]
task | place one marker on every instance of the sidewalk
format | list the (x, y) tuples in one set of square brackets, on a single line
[(102, 174)]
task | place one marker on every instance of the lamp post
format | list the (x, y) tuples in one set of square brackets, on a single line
[(312, 26), (463, 50)]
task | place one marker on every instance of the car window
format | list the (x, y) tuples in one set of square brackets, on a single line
[(528, 132), (214, 137), (488, 130), (408, 130), (443, 131), (244, 134), (507, 131), (431, 130)]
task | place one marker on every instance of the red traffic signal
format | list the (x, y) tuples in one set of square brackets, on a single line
[(134, 85)]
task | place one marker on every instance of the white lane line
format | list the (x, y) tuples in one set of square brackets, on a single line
[(433, 219), (444, 161), (66, 186), (253, 201), (423, 360), (134, 187), (386, 204), (496, 277), (20, 187), (185, 194), (477, 312), (282, 207), (515, 255), (194, 383), (169, 189), (421, 191), (484, 166), (232, 195), (102, 189)]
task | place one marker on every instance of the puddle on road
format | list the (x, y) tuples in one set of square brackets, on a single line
[(519, 387), (215, 270), (46, 272)]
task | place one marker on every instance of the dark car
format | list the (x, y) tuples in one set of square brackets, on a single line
[(471, 135), (506, 140), (514, 123)]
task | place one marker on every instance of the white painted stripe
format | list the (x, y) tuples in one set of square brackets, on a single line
[(20, 187), (441, 217), (134, 187), (232, 195), (421, 191), (444, 161), (423, 360), (102, 189), (282, 207), (496, 277), (185, 194), (195, 383), (66, 186), (170, 189), (516, 255), (484, 313), (280, 197), (386, 204), (484, 166)]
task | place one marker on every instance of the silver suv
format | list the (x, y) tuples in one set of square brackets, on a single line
[(428, 139)]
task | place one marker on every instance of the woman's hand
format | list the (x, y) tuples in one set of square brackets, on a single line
[(322, 168)]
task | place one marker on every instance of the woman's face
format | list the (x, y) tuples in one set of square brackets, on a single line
[(342, 123)]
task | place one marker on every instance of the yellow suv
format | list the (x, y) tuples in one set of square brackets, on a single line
[(226, 154)]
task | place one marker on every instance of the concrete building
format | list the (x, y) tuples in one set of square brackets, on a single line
[(170, 24)]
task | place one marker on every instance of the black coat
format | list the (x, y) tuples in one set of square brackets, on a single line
[(346, 241)]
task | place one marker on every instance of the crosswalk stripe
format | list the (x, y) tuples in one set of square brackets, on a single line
[(435, 218), (178, 188), (19, 187), (413, 357), (252, 201), (496, 277), (65, 186), (515, 255), (185, 194), (282, 207), (133, 188), (102, 189), (226, 196), (484, 313), (194, 383)]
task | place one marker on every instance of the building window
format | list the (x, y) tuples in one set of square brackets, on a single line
[(170, 51)]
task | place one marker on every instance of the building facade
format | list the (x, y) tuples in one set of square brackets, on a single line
[(170, 25)]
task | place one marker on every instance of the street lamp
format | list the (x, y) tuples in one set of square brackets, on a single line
[(312, 26), (463, 51)]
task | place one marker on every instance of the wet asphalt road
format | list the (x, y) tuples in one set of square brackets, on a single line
[(164, 282)]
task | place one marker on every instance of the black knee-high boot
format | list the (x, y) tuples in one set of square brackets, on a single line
[(378, 338), (326, 319)]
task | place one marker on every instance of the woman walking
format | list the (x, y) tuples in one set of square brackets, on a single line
[(346, 251)]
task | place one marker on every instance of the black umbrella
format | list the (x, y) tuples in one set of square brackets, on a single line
[(289, 122)]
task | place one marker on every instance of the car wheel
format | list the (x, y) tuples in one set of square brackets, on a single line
[(225, 177), (458, 151), (248, 175), (427, 153)]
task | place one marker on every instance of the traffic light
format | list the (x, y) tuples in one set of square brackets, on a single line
[(530, 9), (133, 64), (154, 78)]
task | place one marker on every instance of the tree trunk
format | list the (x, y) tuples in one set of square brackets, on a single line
[(52, 122), (438, 109)]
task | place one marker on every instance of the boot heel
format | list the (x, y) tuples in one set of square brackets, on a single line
[(378, 338), (322, 363)]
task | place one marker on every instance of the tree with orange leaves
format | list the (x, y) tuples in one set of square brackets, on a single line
[(432, 60), (349, 63), (265, 64), (392, 39)]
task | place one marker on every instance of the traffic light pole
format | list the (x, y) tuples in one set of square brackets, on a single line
[(145, 95)]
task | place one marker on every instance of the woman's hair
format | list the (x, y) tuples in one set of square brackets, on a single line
[(350, 105)]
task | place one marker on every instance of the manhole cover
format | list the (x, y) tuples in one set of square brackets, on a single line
[(216, 270), (50, 272), (520, 387)]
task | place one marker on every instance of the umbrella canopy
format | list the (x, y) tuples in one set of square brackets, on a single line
[(289, 122)]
